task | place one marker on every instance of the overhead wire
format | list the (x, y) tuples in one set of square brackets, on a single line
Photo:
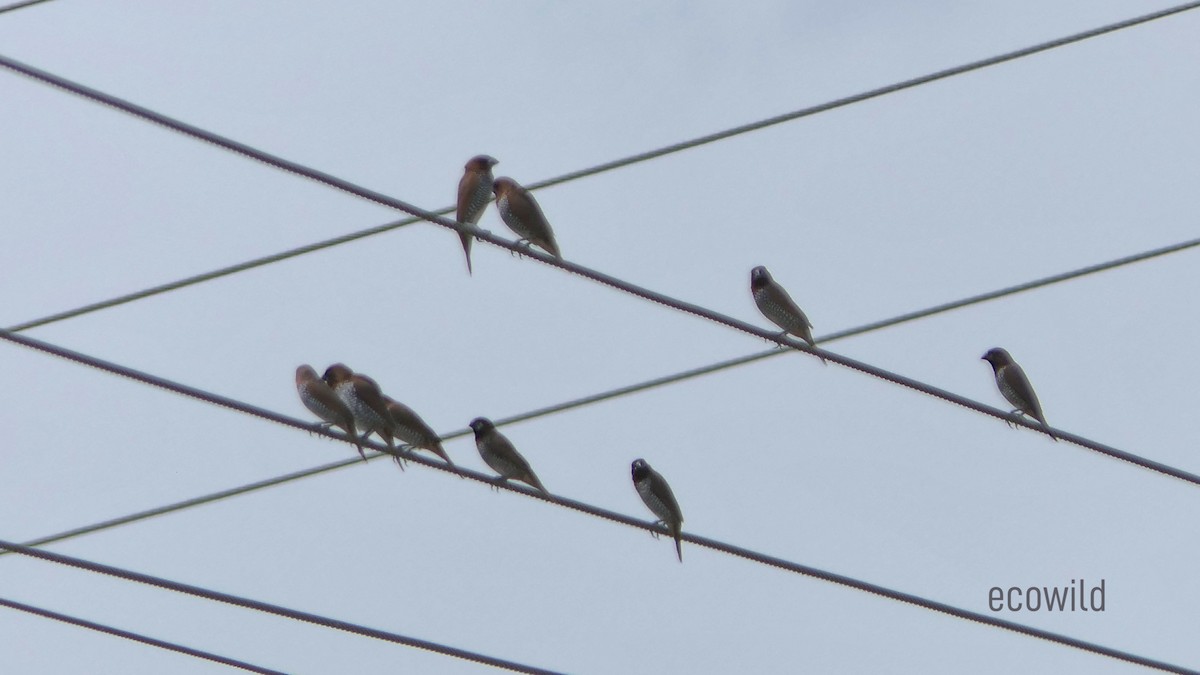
[(574, 505), (136, 637), (716, 317), (625, 390), (269, 608), (580, 270), (704, 542), (20, 5), (614, 164)]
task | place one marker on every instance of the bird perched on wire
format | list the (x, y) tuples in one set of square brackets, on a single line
[(498, 452), (775, 304), (474, 191), (1015, 387), (321, 400), (413, 430), (523, 216), (362, 396), (657, 495)]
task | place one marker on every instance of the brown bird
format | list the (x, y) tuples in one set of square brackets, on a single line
[(1015, 387), (474, 191), (362, 396), (413, 430), (319, 398), (500, 454), (522, 214)]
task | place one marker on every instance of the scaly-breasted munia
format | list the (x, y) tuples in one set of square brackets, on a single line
[(474, 191), (522, 214), (319, 398), (1015, 387), (362, 396), (411, 429), (498, 452), (657, 495), (775, 304)]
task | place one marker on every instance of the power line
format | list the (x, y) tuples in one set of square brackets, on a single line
[(624, 391), (705, 542), (576, 506), (137, 637), (269, 608), (580, 270), (607, 166), (20, 5), (583, 508)]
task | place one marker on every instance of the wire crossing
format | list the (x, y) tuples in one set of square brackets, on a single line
[(581, 507), (269, 608), (690, 308), (137, 637), (607, 166), (580, 270), (618, 392)]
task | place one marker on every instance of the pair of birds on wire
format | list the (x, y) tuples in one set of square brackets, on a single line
[(354, 403), (775, 304), (518, 209)]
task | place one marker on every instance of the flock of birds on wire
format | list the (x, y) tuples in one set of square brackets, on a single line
[(355, 403)]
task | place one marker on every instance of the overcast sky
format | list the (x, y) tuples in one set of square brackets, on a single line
[(1063, 159)]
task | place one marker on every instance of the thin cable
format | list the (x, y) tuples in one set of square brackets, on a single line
[(599, 168), (269, 608), (580, 270), (20, 5), (588, 509), (583, 508), (705, 542), (136, 637), (667, 301), (621, 391)]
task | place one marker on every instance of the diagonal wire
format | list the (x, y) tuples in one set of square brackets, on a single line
[(20, 5), (575, 268), (623, 391), (136, 637), (611, 165), (583, 508), (329, 180), (269, 608), (704, 542)]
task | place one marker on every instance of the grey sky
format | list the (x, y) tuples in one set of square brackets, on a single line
[(1063, 159)]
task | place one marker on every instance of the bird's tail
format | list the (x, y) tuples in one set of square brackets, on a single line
[(353, 433), (533, 480), (678, 544), (441, 452), (466, 242)]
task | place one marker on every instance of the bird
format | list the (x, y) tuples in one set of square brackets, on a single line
[(775, 304), (474, 191), (523, 215), (1015, 387), (657, 495), (413, 430), (362, 396), (500, 454), (319, 398)]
